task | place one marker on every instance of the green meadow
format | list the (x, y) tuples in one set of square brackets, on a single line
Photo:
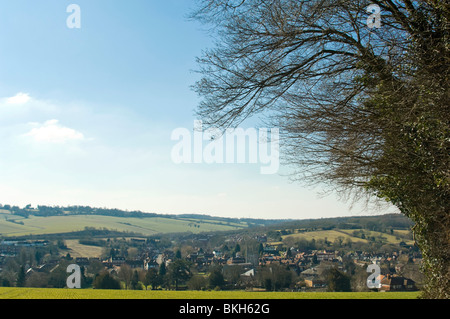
[(13, 225), (347, 234), (48, 293)]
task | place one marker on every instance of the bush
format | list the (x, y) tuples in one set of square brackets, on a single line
[(105, 281), (197, 282)]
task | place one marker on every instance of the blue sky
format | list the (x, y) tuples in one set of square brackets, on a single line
[(86, 116)]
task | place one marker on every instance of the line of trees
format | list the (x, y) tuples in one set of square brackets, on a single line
[(179, 274), (43, 211)]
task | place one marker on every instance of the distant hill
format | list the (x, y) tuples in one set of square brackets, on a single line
[(371, 232), (374, 223), (46, 211), (77, 220)]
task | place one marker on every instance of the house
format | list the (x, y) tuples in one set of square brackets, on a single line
[(270, 249), (311, 272), (261, 239), (315, 283), (248, 278), (149, 263), (114, 270), (235, 260), (113, 261), (397, 283), (319, 270), (249, 273), (82, 261), (192, 256), (9, 248), (135, 263), (327, 256)]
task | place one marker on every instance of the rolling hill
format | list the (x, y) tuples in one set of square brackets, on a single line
[(73, 221), (44, 220), (13, 225), (349, 235)]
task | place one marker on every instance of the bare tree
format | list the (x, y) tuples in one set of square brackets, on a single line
[(126, 274), (361, 108)]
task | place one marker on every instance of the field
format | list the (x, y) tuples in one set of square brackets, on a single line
[(13, 225), (347, 234), (330, 235), (36, 293), (80, 250)]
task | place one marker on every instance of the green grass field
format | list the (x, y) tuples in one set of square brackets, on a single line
[(13, 225), (46, 293), (332, 235), (79, 250)]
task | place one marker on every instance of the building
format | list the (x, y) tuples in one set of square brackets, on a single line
[(82, 261), (114, 261), (397, 283), (315, 283), (311, 272), (235, 261), (149, 263), (325, 256), (261, 238), (136, 263)]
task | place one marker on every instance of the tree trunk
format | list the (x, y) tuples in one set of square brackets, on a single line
[(432, 236)]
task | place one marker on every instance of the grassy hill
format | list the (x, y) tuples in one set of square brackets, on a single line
[(16, 225), (330, 235), (388, 229), (72, 221), (348, 234)]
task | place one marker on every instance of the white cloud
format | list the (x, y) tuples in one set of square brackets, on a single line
[(52, 132), (18, 99), (24, 107)]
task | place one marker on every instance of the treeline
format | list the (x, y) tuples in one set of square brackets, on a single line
[(383, 223), (178, 275), (252, 222), (44, 211)]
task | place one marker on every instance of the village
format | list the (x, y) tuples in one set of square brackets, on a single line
[(203, 262)]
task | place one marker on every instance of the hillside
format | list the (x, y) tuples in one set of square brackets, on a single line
[(74, 221), (359, 232), (45, 220), (14, 225)]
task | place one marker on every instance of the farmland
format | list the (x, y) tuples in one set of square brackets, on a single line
[(330, 235), (349, 234), (79, 250), (14, 225), (48, 293)]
